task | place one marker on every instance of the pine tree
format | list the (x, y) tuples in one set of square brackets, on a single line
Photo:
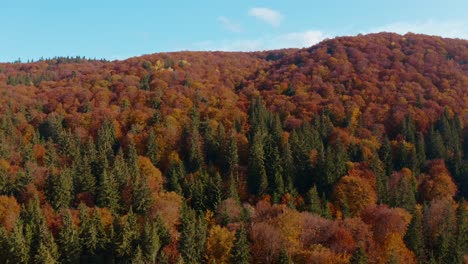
[(68, 241), (126, 235), (359, 256), (163, 232), (150, 243), (385, 153), (257, 178), (59, 189), (284, 257), (240, 253), (138, 257), (174, 175), (132, 160), (142, 198), (232, 157), (195, 154), (187, 235), (414, 237), (88, 235), (16, 245), (460, 247), (108, 196), (83, 178), (106, 140), (152, 148), (313, 201)]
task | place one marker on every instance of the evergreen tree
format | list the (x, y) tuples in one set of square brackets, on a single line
[(359, 256), (240, 253), (126, 235), (108, 196), (83, 178), (106, 141), (132, 160), (385, 153), (150, 243), (284, 257), (195, 154), (414, 237), (142, 198), (175, 174), (257, 178), (59, 189), (313, 201), (163, 232), (460, 245), (16, 245), (187, 235), (152, 148), (88, 233), (68, 241), (232, 157)]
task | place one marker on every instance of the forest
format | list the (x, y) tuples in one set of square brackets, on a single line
[(354, 150)]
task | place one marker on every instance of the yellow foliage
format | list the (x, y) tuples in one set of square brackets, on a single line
[(354, 193), (152, 174), (394, 249), (218, 246)]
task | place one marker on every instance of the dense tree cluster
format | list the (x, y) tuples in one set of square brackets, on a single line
[(352, 151)]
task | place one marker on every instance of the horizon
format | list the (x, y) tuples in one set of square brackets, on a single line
[(119, 30)]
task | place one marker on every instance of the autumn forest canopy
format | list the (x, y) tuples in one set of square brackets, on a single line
[(354, 150)]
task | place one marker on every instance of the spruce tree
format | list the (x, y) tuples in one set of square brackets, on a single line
[(152, 148), (150, 243), (68, 241), (108, 196), (16, 245), (313, 201), (257, 178), (414, 237), (142, 198), (126, 235), (359, 256), (59, 189), (240, 253)]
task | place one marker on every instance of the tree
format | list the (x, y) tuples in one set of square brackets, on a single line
[(126, 236), (359, 256), (16, 245), (240, 253), (152, 148), (219, 244), (313, 201), (354, 194), (175, 173), (108, 196), (414, 238), (257, 178), (150, 242), (385, 153), (60, 189), (68, 241), (192, 236), (142, 196)]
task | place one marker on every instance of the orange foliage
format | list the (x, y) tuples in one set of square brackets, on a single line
[(9, 212)]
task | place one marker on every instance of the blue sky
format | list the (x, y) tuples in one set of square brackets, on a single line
[(115, 29)]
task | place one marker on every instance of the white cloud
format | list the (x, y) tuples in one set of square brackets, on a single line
[(450, 29), (267, 15), (288, 40), (229, 24)]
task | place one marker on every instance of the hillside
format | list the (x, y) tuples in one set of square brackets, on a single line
[(354, 148)]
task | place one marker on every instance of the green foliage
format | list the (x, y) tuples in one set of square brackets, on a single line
[(240, 253)]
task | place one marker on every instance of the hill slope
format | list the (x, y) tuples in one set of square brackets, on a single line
[(355, 148)]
